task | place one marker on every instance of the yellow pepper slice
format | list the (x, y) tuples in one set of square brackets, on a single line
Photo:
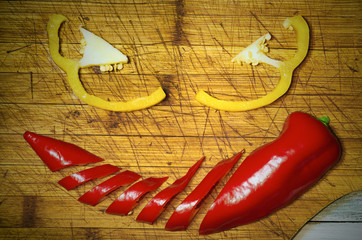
[(71, 67), (255, 54)]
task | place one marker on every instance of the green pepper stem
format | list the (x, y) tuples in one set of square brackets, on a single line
[(325, 120)]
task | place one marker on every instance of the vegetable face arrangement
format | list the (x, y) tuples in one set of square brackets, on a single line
[(96, 52), (270, 178)]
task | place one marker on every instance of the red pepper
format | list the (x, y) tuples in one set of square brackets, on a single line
[(275, 174), (128, 200), (185, 212), (93, 196), (57, 154), (84, 176), (157, 204)]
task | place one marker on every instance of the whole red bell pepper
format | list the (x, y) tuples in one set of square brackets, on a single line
[(275, 174), (57, 154), (93, 196), (84, 176), (185, 212), (128, 200), (157, 204)]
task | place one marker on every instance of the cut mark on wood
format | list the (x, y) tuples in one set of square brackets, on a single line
[(222, 46), (258, 20), (162, 40), (352, 69), (29, 210), (17, 49), (31, 85), (180, 13)]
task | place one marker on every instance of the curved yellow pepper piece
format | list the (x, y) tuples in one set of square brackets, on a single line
[(286, 68), (71, 67)]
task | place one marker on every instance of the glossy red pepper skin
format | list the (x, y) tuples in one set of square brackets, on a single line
[(157, 204), (128, 200), (275, 174), (57, 154), (76, 179), (93, 196), (185, 212)]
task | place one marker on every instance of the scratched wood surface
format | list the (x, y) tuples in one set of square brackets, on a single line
[(183, 46)]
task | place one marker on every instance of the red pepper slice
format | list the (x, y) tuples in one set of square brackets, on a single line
[(185, 212), (93, 196), (128, 200), (275, 174), (84, 176), (157, 204), (57, 154)]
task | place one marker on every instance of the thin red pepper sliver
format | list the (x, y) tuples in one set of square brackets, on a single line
[(93, 196), (157, 204), (128, 200), (57, 154), (185, 212), (84, 176)]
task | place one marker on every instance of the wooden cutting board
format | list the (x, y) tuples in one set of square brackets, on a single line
[(183, 46)]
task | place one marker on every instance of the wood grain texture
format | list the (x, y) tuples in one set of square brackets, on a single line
[(183, 46)]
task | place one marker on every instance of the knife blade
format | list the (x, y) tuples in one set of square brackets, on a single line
[(342, 219)]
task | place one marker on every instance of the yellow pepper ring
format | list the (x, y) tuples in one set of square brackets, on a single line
[(286, 68), (71, 67)]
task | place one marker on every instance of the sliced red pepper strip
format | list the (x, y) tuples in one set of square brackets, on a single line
[(128, 200), (185, 212), (84, 176), (157, 204), (275, 174), (93, 196), (57, 154)]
